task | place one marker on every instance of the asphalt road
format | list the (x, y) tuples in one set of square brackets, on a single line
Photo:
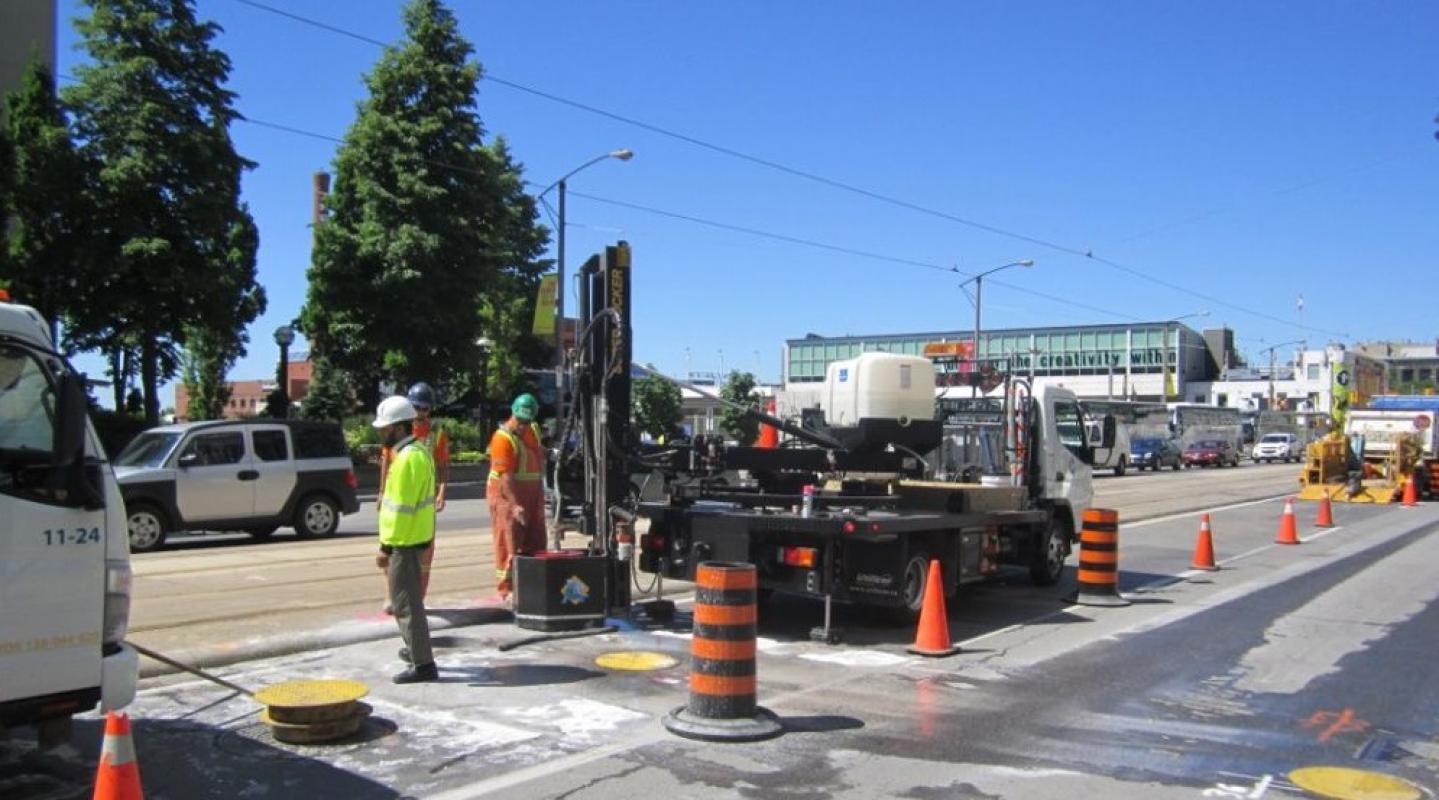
[(1223, 684), (206, 597)]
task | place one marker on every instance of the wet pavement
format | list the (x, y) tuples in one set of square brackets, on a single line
[(1208, 685)]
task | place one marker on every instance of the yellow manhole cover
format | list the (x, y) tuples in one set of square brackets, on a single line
[(1342, 783), (300, 694), (635, 661)]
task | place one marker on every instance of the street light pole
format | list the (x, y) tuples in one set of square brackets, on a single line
[(623, 154), (284, 337), (978, 292), (483, 344)]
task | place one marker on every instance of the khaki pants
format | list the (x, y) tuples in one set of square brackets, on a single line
[(409, 602)]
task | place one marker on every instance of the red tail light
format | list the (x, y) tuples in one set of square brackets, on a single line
[(350, 479), (799, 556), (848, 526)]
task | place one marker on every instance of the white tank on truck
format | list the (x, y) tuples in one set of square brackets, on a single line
[(64, 545)]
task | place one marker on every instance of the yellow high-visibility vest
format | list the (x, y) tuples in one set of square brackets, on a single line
[(407, 507), (527, 469)]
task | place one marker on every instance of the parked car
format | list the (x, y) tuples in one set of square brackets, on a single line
[(1211, 452), (1155, 453), (236, 475), (1278, 447)]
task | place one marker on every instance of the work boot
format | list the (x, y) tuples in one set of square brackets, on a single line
[(421, 674)]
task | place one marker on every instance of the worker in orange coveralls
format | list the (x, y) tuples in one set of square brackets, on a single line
[(516, 490)]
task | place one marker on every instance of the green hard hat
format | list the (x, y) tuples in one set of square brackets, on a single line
[(525, 408)]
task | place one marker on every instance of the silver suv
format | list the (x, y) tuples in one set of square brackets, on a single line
[(236, 475), (1278, 447)]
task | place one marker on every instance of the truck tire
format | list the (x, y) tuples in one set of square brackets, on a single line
[(1120, 467), (148, 527), (1047, 566), (316, 515), (912, 587)]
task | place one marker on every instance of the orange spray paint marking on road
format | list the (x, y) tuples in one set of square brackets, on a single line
[(1336, 722)]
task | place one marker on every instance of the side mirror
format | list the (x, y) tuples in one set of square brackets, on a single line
[(69, 473), (1110, 432), (189, 460)]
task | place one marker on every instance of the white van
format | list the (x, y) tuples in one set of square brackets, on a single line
[(64, 554)]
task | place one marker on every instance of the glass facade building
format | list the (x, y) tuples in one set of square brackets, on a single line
[(1139, 349)]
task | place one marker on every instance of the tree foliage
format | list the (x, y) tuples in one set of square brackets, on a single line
[(330, 396), (739, 388), (46, 202), (657, 406), (151, 110), (430, 241)]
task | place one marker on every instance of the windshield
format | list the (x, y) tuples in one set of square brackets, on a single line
[(1206, 445), (1275, 438), (27, 407), (148, 450), (1145, 444)]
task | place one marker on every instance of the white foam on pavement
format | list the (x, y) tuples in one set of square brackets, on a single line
[(857, 658)]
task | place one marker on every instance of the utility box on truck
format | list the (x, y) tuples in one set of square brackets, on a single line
[(64, 553)]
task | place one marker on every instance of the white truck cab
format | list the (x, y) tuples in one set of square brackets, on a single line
[(64, 552), (1066, 451)]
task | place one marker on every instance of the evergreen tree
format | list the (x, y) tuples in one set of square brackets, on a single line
[(330, 396), (47, 200), (739, 388), (429, 233), (151, 110)]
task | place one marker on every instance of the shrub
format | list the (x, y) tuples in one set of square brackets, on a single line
[(469, 457)]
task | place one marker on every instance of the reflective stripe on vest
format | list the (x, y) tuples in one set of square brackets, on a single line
[(411, 477), (527, 470)]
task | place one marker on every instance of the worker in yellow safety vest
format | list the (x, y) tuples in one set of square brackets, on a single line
[(422, 397), (515, 490), (407, 529)]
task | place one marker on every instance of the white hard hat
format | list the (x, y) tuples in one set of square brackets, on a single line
[(392, 410)]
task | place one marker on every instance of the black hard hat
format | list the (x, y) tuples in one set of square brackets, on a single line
[(421, 395)]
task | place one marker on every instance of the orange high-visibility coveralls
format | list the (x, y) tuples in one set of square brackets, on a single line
[(515, 453)]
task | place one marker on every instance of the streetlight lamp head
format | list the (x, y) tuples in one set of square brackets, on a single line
[(1028, 262), (623, 154), (284, 336)]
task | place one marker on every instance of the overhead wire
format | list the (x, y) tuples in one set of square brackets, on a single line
[(756, 232), (1086, 253)]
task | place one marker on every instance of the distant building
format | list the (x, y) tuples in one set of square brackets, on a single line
[(248, 398), (1117, 361), (1413, 366), (1305, 383)]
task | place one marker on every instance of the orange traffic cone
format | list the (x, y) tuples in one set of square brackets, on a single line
[(932, 638), (118, 777), (1411, 492), (1204, 547), (1326, 514), (1288, 528)]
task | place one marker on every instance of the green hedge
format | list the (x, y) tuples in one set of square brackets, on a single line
[(466, 438)]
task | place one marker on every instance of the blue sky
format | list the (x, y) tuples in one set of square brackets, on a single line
[(1240, 154)]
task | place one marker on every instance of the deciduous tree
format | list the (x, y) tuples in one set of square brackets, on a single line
[(739, 388), (657, 406)]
